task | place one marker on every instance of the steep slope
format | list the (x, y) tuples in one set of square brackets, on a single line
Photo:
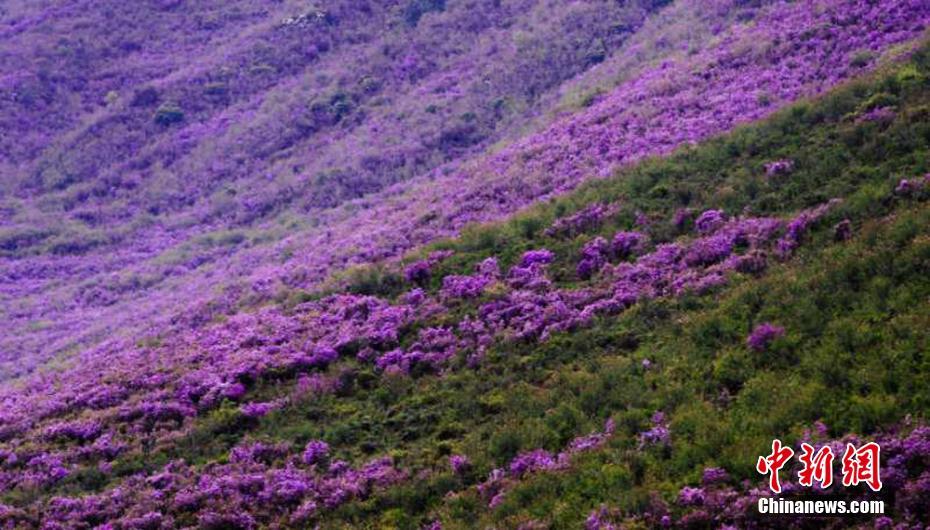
[(671, 318), (245, 174), (132, 151)]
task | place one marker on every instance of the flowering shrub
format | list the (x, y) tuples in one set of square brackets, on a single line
[(593, 257), (763, 335), (658, 434), (682, 216), (714, 475), (709, 221), (532, 257), (493, 489), (582, 221), (600, 519), (843, 230), (315, 452), (418, 272), (463, 286), (459, 464), (626, 244), (257, 410), (779, 167)]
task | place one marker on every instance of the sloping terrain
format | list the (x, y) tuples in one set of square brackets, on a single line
[(592, 307), (130, 166), (183, 198)]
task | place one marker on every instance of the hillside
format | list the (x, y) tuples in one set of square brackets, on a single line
[(407, 274), (296, 169)]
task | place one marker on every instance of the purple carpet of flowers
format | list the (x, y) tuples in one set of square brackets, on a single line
[(746, 71), (222, 203), (259, 483), (106, 406)]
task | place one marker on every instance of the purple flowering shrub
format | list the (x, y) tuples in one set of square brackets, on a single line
[(709, 221), (593, 257), (419, 272), (659, 434), (582, 221), (316, 452), (532, 257), (779, 167), (626, 244), (493, 489), (459, 464), (763, 335)]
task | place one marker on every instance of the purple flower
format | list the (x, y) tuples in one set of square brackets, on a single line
[(418, 272), (415, 297), (316, 451), (682, 216), (582, 221), (541, 256), (714, 475), (691, 496), (878, 114), (78, 431), (626, 244), (763, 335), (459, 464), (659, 434), (904, 188), (463, 286), (593, 257), (600, 519), (529, 462), (305, 512), (234, 391), (257, 410), (489, 268), (258, 452), (323, 355), (709, 221), (779, 167)]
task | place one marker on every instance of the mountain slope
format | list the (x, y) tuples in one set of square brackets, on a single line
[(260, 169), (637, 299)]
